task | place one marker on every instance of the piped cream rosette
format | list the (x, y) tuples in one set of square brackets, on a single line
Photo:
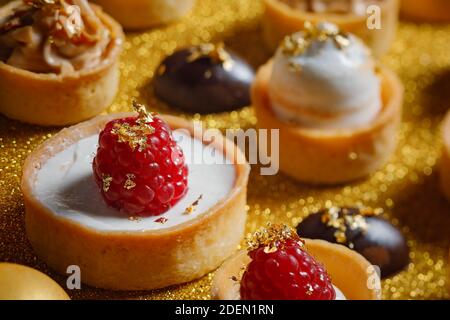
[(58, 61)]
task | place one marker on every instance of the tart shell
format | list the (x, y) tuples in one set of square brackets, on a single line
[(426, 10), (281, 20), (334, 156), (445, 159), (141, 14), (58, 100), (134, 260), (349, 271)]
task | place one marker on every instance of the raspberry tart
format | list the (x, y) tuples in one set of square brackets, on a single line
[(337, 110), (280, 266), (127, 199), (284, 17), (141, 14), (59, 61)]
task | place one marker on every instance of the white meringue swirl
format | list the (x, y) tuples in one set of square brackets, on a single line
[(326, 86)]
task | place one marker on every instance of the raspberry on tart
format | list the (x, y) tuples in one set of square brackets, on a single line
[(282, 269), (280, 265), (139, 167)]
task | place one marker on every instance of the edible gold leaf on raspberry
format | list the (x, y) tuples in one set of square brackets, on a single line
[(130, 183), (106, 181), (144, 117), (272, 237), (135, 135)]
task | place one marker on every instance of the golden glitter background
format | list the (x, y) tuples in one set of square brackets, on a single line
[(407, 187)]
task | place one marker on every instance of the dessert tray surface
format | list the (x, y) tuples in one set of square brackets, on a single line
[(407, 187)]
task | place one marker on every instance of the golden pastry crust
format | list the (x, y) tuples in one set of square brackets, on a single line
[(281, 20), (445, 159), (426, 10), (58, 100), (135, 260), (141, 14), (349, 271), (338, 156)]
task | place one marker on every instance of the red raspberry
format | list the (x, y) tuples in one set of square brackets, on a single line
[(139, 168), (289, 273)]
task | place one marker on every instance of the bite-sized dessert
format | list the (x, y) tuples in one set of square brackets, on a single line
[(19, 282), (204, 79), (58, 61), (374, 21), (337, 111), (363, 230), (141, 14), (280, 266), (445, 158), (426, 10), (138, 202)]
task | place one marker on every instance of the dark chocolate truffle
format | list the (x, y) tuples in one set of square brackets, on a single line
[(204, 79), (363, 230)]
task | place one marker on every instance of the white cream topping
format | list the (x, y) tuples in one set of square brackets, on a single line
[(65, 184), (326, 86)]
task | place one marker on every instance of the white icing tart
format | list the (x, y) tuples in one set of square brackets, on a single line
[(68, 222), (65, 182)]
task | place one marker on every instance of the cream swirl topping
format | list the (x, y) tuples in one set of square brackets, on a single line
[(324, 79), (52, 36)]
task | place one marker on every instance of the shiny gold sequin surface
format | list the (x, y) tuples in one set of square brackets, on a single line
[(407, 188)]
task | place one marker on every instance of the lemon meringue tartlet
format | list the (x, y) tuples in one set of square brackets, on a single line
[(426, 10), (141, 14), (58, 61), (69, 223), (285, 270), (337, 116), (284, 17)]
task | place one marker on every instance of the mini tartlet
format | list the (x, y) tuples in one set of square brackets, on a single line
[(337, 112), (283, 17), (141, 14), (349, 272), (445, 159), (426, 10), (59, 61), (68, 222)]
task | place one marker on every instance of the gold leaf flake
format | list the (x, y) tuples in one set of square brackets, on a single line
[(129, 183), (298, 43), (106, 179), (272, 237), (216, 52), (135, 135), (193, 206)]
